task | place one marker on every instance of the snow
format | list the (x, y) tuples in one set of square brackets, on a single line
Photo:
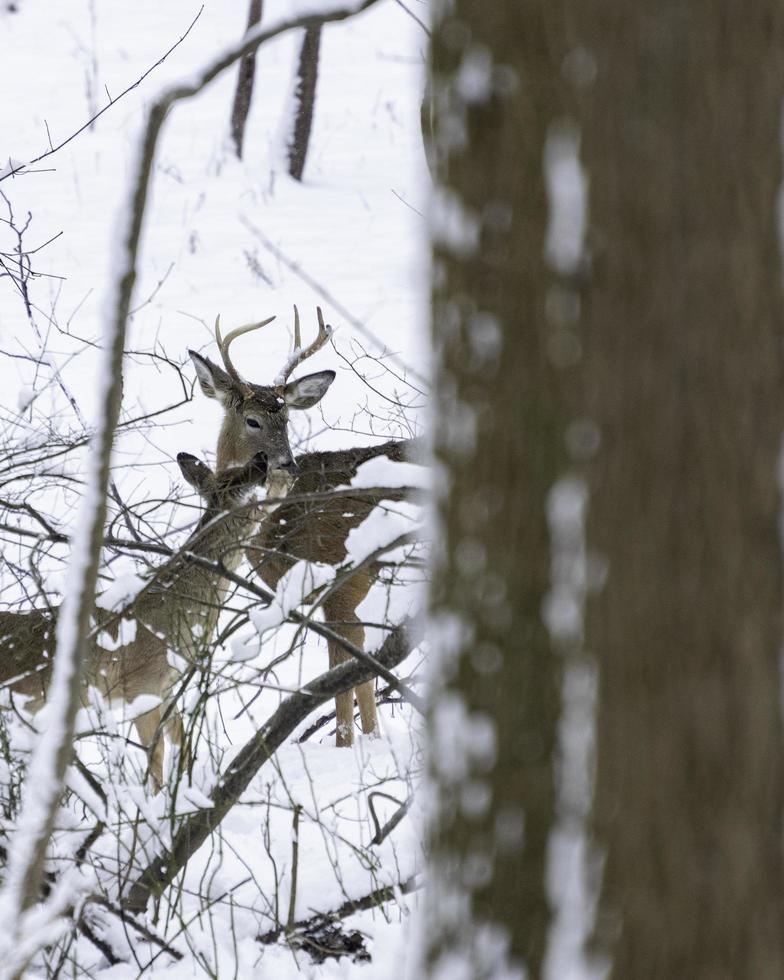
[(381, 528), (126, 628), (569, 858), (121, 593), (293, 589), (567, 192), (453, 225), (474, 82), (237, 238), (466, 740), (384, 472)]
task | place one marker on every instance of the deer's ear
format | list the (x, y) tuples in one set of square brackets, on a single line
[(308, 391), (195, 472), (214, 381)]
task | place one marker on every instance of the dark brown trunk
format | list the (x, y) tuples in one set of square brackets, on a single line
[(685, 381), (305, 96), (244, 91)]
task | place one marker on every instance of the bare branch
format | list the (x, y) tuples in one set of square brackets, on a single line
[(350, 907), (21, 168), (255, 753), (335, 303), (383, 832)]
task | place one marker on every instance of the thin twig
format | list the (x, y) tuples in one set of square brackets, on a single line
[(20, 168), (294, 866), (394, 820), (325, 294)]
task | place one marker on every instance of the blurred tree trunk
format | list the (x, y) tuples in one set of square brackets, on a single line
[(498, 438), (305, 98), (685, 380), (665, 368), (244, 91)]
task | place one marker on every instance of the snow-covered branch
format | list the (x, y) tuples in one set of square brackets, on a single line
[(53, 751), (256, 752)]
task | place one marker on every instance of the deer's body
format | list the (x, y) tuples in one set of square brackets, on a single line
[(313, 526), (175, 612)]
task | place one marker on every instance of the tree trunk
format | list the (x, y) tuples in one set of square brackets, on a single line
[(244, 91), (685, 381), (305, 97), (498, 437)]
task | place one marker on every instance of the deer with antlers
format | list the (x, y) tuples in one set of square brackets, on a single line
[(255, 418), (175, 611)]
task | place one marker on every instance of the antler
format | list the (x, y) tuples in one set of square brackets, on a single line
[(223, 343), (298, 355)]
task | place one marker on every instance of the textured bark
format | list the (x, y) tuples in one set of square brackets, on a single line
[(244, 91), (497, 442), (684, 377), (305, 96)]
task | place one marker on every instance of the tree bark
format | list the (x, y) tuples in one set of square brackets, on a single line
[(244, 91), (685, 381), (305, 97), (498, 440)]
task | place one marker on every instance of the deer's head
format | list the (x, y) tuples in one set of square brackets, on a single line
[(226, 489), (255, 417)]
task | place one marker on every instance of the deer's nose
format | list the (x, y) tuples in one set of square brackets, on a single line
[(289, 466)]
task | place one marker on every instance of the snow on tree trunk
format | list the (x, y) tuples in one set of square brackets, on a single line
[(684, 379), (500, 375)]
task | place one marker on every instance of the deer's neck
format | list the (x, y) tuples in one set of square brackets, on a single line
[(220, 536), (183, 604)]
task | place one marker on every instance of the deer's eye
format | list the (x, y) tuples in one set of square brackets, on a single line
[(252, 423)]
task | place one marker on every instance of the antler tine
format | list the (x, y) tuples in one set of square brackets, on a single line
[(297, 334), (298, 356), (224, 342)]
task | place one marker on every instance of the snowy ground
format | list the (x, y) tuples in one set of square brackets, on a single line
[(242, 240)]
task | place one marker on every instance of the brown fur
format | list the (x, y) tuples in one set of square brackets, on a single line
[(256, 418), (177, 610), (316, 530)]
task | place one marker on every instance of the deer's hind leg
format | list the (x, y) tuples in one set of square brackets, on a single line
[(151, 737), (344, 703), (339, 610)]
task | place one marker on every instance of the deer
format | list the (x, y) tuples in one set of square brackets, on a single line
[(255, 419), (175, 611)]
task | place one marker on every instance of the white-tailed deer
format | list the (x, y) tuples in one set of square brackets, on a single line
[(175, 611), (255, 418)]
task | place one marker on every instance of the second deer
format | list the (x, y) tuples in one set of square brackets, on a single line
[(175, 611)]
